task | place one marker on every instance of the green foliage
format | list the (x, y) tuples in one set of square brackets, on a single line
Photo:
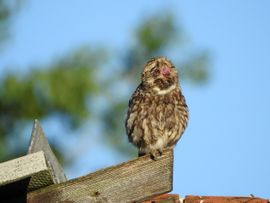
[(4, 17), (156, 33), (152, 37), (61, 90), (66, 85), (196, 68), (8, 8)]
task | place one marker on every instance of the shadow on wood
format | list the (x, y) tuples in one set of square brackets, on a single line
[(131, 181), (15, 192), (38, 169), (165, 198)]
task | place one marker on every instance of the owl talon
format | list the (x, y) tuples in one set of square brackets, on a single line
[(155, 154), (160, 152), (153, 157)]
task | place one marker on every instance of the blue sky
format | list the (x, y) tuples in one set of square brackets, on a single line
[(225, 150)]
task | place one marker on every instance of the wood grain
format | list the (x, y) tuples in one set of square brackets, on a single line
[(131, 181), (22, 167), (38, 142), (165, 198), (32, 165)]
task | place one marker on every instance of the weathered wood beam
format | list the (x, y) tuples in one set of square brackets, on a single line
[(165, 198), (131, 181), (39, 142), (39, 168), (32, 165)]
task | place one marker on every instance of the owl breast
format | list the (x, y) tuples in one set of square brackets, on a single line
[(156, 121)]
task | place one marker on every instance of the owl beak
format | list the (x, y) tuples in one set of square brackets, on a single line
[(165, 71)]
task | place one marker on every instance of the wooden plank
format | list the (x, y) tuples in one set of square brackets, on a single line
[(32, 165), (39, 142), (168, 198), (131, 181), (38, 169)]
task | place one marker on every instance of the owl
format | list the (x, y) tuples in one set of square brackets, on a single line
[(157, 114)]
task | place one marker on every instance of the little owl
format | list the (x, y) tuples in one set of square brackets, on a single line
[(157, 115)]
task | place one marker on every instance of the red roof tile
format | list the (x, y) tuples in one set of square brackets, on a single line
[(220, 199)]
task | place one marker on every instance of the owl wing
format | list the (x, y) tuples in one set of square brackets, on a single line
[(134, 108)]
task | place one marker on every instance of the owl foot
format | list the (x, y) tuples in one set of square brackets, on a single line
[(155, 154)]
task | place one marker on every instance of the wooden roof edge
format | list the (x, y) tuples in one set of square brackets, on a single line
[(132, 181), (175, 198)]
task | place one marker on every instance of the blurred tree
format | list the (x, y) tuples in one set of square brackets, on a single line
[(66, 87), (60, 90), (8, 9)]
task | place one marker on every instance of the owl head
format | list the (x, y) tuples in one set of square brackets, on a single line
[(160, 75)]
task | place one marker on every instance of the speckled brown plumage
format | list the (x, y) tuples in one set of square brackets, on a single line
[(157, 115)]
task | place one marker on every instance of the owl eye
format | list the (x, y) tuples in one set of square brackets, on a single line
[(156, 72)]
